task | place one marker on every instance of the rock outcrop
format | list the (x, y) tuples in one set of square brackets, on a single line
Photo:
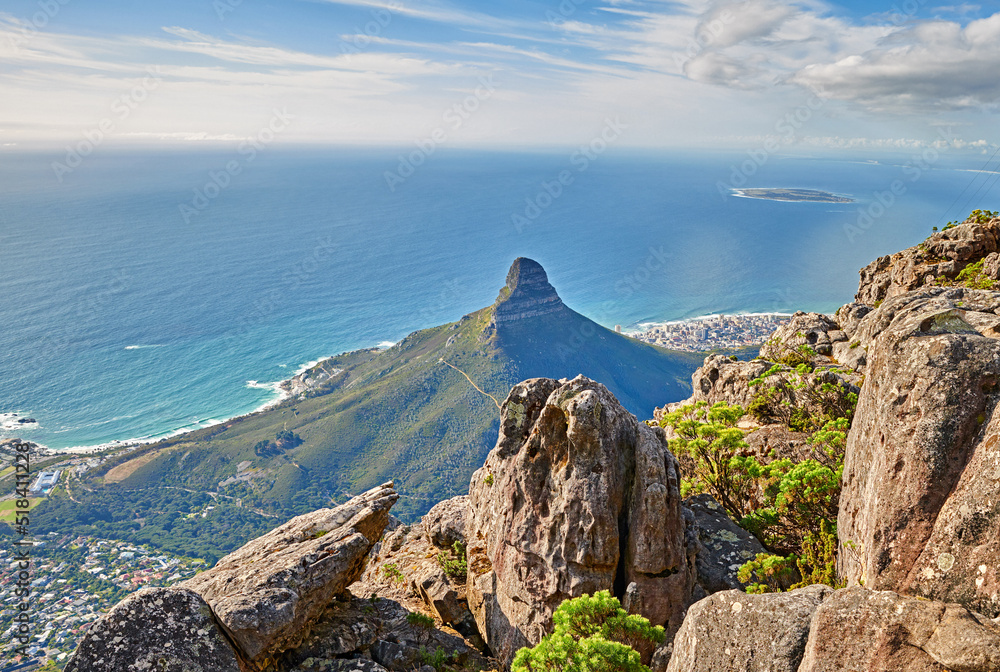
[(817, 629), (944, 255), (576, 497), (268, 592), (919, 512), (168, 629), (723, 546), (406, 567), (526, 294), (749, 633), (857, 629), (815, 330), (372, 635)]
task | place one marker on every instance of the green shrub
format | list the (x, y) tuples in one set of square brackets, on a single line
[(454, 562), (709, 436), (391, 571), (418, 620), (592, 634), (436, 659)]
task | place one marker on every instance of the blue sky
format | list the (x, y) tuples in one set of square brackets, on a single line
[(521, 73)]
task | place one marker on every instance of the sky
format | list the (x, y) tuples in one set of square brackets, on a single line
[(892, 74)]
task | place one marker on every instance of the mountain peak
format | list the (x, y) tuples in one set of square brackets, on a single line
[(526, 294)]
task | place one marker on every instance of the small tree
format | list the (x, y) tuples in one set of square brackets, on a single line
[(592, 634)]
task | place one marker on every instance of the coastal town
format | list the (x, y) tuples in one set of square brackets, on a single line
[(712, 332), (74, 582)]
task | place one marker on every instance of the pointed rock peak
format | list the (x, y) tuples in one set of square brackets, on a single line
[(526, 294)]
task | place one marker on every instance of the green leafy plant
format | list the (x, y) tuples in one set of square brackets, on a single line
[(454, 562), (592, 634), (391, 571), (418, 620), (488, 480), (711, 439), (438, 658)]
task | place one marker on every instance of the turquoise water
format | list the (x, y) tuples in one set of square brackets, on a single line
[(121, 318)]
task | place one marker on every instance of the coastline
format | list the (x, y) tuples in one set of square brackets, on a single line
[(282, 389)]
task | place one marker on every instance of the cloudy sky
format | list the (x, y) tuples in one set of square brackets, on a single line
[(516, 73)]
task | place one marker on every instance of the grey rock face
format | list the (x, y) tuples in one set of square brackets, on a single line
[(372, 635), (919, 511), (526, 294), (857, 629), (267, 593), (944, 254), (735, 632), (576, 497), (445, 522), (406, 568), (723, 547), (159, 630), (817, 629)]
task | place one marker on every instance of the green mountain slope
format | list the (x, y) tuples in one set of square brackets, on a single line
[(400, 414)]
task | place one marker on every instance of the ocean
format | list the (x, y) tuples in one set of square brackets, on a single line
[(154, 291)]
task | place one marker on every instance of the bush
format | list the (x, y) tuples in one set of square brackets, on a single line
[(592, 634), (418, 620), (710, 438), (391, 571), (453, 562)]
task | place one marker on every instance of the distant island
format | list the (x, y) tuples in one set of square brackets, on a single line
[(793, 195)]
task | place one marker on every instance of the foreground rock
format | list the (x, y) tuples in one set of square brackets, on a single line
[(407, 567), (267, 593), (857, 629), (919, 512), (735, 631), (817, 629), (372, 635), (576, 497), (161, 629), (723, 546)]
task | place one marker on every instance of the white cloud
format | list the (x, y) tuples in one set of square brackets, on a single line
[(935, 64)]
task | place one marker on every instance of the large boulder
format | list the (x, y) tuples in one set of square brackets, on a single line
[(268, 593), (161, 629), (858, 629), (576, 497), (942, 256), (373, 635), (444, 524), (723, 546), (919, 512), (817, 629), (733, 631)]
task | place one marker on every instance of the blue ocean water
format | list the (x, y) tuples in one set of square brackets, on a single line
[(124, 315)]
